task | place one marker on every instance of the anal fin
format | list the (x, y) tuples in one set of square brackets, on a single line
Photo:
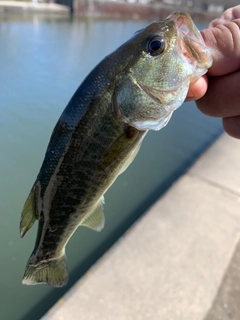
[(96, 219)]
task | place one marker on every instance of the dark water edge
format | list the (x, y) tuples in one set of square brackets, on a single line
[(98, 8), (109, 10)]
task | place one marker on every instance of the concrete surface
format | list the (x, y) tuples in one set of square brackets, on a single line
[(33, 7), (181, 260)]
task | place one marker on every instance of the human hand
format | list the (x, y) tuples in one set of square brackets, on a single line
[(218, 92)]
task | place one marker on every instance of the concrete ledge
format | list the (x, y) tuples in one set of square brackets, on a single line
[(13, 6), (175, 262)]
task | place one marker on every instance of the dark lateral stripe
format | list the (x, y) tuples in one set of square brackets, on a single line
[(226, 305)]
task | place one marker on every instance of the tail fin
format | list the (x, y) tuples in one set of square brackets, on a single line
[(52, 272)]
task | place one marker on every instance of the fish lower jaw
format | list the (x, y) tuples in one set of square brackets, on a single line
[(151, 124)]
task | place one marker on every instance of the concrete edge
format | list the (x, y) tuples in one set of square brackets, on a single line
[(33, 7)]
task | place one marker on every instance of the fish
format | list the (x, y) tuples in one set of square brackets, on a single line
[(131, 91)]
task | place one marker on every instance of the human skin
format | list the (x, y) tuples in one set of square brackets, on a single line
[(217, 94)]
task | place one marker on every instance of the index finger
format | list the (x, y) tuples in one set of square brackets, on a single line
[(228, 15), (223, 37)]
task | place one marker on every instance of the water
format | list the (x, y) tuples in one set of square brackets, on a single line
[(42, 62)]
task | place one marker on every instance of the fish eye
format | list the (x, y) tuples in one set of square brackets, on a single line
[(156, 46)]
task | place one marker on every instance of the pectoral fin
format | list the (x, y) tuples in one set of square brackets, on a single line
[(119, 146), (96, 219)]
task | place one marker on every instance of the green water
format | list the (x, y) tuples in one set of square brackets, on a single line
[(42, 62)]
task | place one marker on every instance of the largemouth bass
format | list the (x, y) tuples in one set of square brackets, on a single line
[(133, 90)]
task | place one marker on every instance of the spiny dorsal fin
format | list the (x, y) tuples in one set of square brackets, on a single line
[(96, 219), (28, 216)]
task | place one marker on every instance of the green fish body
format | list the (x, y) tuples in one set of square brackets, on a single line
[(133, 90)]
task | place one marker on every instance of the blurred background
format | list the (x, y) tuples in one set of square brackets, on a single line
[(46, 51)]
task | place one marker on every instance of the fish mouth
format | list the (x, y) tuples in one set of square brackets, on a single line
[(191, 43)]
